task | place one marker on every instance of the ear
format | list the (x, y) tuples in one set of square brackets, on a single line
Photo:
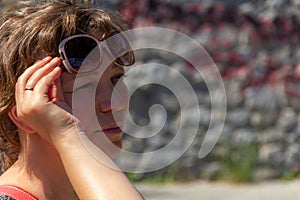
[(14, 117)]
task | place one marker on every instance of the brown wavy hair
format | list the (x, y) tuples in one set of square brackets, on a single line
[(29, 30)]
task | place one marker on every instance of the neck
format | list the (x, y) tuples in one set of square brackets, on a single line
[(39, 170)]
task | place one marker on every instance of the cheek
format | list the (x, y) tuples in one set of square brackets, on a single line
[(123, 92)]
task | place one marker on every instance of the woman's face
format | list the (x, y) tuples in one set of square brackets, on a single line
[(101, 106)]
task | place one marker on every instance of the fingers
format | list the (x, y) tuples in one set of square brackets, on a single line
[(41, 72), (28, 72), (22, 80), (37, 72), (43, 85), (55, 91)]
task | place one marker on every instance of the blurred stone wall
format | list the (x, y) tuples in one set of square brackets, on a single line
[(255, 46), (261, 129)]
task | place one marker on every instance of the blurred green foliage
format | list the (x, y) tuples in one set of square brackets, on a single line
[(239, 162), (289, 175)]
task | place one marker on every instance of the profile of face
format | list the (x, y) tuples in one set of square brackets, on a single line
[(99, 99)]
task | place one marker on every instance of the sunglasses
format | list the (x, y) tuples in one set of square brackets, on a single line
[(85, 53)]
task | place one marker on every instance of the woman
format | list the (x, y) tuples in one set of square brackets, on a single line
[(43, 156)]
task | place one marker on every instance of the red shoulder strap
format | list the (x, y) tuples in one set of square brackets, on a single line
[(16, 193)]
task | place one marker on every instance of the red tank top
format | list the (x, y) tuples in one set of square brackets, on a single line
[(16, 193)]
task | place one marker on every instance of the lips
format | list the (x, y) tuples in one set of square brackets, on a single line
[(115, 130), (113, 134)]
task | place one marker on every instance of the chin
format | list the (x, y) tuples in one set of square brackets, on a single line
[(114, 152)]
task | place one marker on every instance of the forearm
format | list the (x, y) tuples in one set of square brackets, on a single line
[(91, 178)]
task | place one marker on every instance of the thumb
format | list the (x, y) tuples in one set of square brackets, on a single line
[(56, 93)]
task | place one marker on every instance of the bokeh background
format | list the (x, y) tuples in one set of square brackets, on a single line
[(255, 47), (254, 44)]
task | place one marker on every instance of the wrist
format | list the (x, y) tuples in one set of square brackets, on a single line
[(68, 138)]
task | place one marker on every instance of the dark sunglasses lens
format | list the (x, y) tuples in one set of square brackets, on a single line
[(82, 50), (120, 48)]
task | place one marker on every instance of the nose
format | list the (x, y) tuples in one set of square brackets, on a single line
[(109, 98)]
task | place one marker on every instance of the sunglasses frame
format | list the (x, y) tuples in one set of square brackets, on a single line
[(102, 46)]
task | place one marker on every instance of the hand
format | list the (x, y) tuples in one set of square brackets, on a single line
[(40, 103)]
